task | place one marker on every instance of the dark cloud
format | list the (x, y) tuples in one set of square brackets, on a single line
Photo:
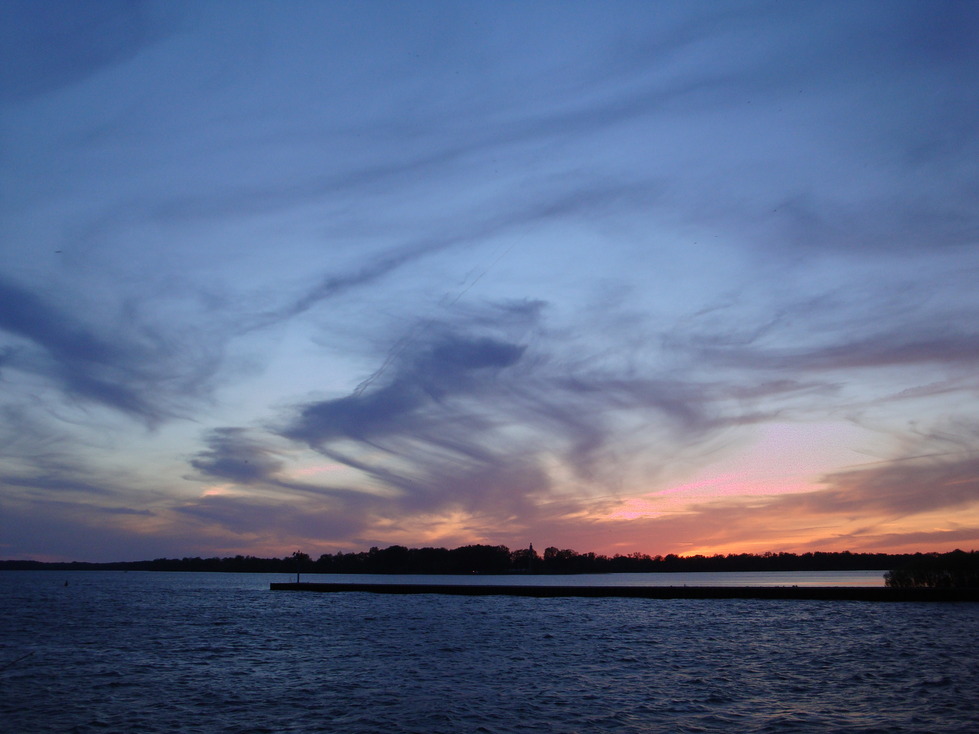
[(877, 327), (278, 521), (42, 461), (246, 459), (362, 418), (236, 457), (895, 348), (461, 419), (896, 489), (890, 349), (55, 482), (438, 369), (94, 510), (138, 373), (49, 45), (443, 368), (438, 450)]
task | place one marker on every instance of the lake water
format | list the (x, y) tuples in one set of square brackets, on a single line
[(158, 652)]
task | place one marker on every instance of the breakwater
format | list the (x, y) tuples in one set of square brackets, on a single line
[(812, 593)]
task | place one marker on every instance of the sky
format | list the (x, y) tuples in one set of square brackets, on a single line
[(656, 277)]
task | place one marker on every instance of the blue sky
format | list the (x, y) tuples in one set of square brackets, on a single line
[(660, 277)]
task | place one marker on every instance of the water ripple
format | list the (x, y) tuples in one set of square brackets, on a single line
[(197, 653)]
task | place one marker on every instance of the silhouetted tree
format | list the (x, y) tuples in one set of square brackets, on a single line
[(562, 561), (525, 559), (479, 559), (957, 569), (393, 559)]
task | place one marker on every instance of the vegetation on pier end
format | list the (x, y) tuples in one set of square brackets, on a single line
[(955, 570)]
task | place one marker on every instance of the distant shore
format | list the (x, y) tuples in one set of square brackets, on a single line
[(814, 593), (501, 561)]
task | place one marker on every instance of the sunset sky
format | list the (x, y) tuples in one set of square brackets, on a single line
[(667, 277)]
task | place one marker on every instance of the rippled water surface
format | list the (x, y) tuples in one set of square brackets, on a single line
[(155, 652)]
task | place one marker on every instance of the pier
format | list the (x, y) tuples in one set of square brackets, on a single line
[(812, 593)]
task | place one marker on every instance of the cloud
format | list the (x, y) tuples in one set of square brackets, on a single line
[(119, 366), (511, 216), (275, 520), (876, 507), (464, 418), (445, 367), (236, 457), (246, 459), (733, 211), (908, 542), (42, 529), (891, 323), (897, 489), (895, 348), (54, 482), (50, 45), (440, 450), (698, 124)]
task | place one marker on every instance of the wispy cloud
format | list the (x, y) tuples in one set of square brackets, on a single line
[(117, 365), (464, 418), (274, 521), (53, 45), (233, 455), (506, 281), (245, 460), (55, 482), (864, 508)]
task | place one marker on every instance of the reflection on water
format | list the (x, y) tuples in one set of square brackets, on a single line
[(209, 652)]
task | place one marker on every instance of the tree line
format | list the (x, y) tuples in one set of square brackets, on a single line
[(957, 569), (498, 559)]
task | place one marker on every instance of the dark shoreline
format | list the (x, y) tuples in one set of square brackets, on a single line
[(816, 593)]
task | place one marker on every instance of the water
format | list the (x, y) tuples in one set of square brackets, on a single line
[(155, 652)]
